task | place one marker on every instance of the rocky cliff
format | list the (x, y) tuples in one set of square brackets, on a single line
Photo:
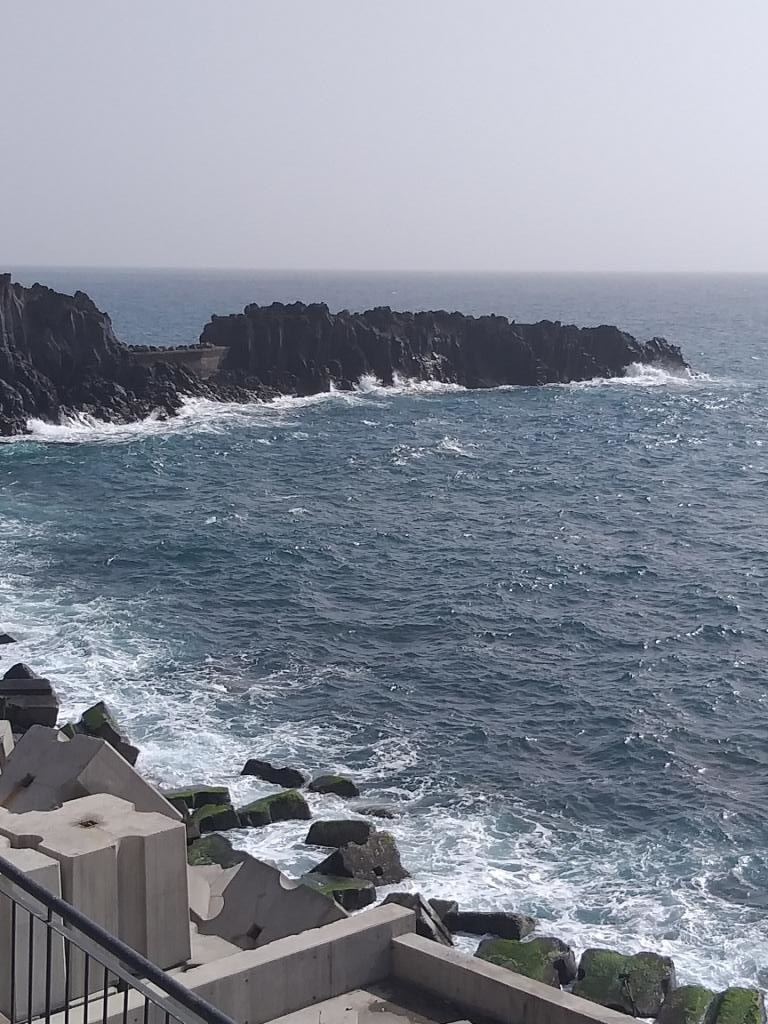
[(300, 349), (59, 354)]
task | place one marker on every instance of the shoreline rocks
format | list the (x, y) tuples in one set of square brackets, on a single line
[(335, 785), (545, 959), (636, 985), (59, 355), (377, 861), (288, 778)]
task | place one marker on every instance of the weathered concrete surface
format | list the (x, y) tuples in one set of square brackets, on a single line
[(42, 773), (252, 904), (259, 985), (204, 362), (6, 742), (45, 871), (483, 989), (123, 869)]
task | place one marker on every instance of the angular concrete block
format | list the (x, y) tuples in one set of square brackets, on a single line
[(6, 742), (124, 869), (45, 871), (252, 904), (43, 773)]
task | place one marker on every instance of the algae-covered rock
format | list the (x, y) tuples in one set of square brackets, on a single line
[(214, 849), (291, 778), (738, 1006), (288, 805), (544, 959), (350, 893), (637, 984), (216, 818), (689, 1004), (338, 785), (192, 798), (338, 833), (100, 722), (378, 861), (505, 924)]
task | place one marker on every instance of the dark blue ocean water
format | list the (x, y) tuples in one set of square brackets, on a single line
[(535, 620)]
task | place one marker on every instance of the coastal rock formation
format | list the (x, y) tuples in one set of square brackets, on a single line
[(545, 959), (301, 349), (59, 355), (637, 985)]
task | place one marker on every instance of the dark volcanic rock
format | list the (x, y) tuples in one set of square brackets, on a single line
[(301, 348), (338, 785), (504, 925), (20, 671), (428, 923), (289, 778), (6, 638), (59, 354), (377, 861), (339, 833)]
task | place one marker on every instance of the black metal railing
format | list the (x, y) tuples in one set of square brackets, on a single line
[(57, 964)]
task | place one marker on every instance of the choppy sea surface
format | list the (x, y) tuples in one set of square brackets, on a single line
[(535, 621)]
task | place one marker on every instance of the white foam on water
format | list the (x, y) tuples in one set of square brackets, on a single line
[(647, 375)]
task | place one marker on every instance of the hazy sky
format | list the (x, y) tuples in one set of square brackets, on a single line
[(385, 134)]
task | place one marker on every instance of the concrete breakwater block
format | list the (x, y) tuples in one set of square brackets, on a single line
[(252, 903), (428, 923), (636, 984), (26, 699), (6, 742), (377, 861), (43, 772), (45, 872), (505, 925), (545, 959), (124, 869), (100, 722)]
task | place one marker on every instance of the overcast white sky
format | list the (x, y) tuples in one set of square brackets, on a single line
[(385, 134)]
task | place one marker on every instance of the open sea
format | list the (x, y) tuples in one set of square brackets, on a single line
[(533, 620)]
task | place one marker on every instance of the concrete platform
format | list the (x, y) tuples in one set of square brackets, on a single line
[(377, 1004)]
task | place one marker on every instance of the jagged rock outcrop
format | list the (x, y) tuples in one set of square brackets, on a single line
[(59, 354), (301, 348)]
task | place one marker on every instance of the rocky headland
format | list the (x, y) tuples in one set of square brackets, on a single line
[(59, 355)]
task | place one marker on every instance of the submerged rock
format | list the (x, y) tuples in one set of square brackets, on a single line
[(338, 833), (504, 925), (377, 861), (544, 959), (377, 812), (288, 805), (636, 984), (428, 923), (338, 785), (689, 1004), (290, 778), (349, 893)]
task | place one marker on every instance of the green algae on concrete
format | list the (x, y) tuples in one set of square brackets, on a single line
[(216, 818), (689, 1004), (739, 1006), (214, 849), (192, 798), (288, 805), (350, 893), (636, 984), (544, 959)]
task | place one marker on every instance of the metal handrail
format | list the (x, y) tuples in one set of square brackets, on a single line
[(112, 953)]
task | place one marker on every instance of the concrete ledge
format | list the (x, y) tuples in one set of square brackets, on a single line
[(482, 988), (259, 985)]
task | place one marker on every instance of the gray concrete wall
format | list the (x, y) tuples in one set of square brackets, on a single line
[(259, 985), (485, 989), (202, 361)]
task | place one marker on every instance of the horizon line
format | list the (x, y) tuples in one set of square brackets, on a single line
[(379, 271)]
